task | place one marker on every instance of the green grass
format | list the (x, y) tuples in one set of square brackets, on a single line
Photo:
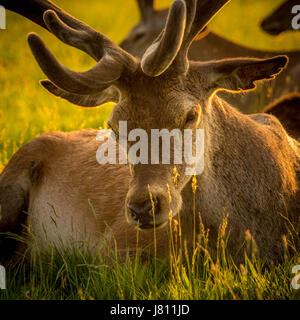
[(71, 274), (26, 111)]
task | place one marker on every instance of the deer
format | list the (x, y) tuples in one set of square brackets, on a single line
[(54, 184), (287, 109), (281, 19), (210, 46)]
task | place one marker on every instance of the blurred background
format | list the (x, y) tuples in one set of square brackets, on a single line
[(27, 110)]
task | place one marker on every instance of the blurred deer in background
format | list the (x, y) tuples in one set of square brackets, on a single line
[(281, 19), (287, 109), (251, 165), (146, 31), (210, 46)]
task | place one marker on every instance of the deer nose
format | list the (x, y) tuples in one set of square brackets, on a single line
[(142, 212)]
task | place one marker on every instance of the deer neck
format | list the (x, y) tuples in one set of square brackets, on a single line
[(223, 135), (234, 145)]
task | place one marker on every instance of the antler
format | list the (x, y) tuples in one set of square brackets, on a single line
[(160, 55), (201, 13), (186, 19), (79, 34), (82, 88), (107, 71), (110, 94)]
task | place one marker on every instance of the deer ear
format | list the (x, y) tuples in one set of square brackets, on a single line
[(241, 74)]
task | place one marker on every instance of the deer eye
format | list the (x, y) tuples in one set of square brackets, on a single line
[(192, 117)]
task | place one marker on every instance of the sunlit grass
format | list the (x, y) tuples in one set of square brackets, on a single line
[(84, 273)]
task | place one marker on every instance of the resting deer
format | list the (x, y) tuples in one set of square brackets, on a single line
[(288, 109), (281, 19), (209, 46), (251, 164)]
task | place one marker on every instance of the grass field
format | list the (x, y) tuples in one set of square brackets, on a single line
[(26, 111)]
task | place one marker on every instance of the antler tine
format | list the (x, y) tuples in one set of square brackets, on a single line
[(77, 35), (186, 19), (110, 94), (104, 74), (146, 8), (191, 8), (202, 12), (160, 55), (112, 59)]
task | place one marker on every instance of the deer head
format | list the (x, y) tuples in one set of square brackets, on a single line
[(162, 91), (281, 19)]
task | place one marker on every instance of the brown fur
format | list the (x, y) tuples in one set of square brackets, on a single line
[(66, 196)]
